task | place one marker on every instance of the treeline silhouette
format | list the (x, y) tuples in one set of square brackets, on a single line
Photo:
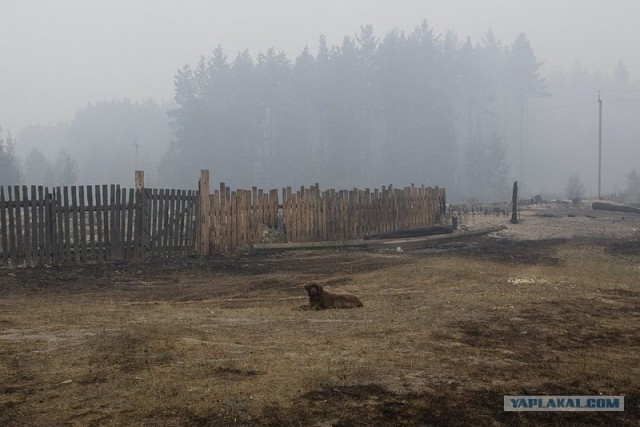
[(367, 112)]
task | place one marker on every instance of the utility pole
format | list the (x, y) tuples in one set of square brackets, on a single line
[(599, 145)]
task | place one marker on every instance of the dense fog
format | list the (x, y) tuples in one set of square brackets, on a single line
[(399, 107)]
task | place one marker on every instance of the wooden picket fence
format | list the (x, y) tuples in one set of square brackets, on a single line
[(241, 217), (84, 224), (81, 224), (311, 215)]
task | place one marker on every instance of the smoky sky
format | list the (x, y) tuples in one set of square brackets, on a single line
[(57, 56)]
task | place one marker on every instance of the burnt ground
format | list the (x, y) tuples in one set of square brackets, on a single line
[(442, 338)]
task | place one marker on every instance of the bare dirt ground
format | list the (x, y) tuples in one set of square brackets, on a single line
[(550, 306)]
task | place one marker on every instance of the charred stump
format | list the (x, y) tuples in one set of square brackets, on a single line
[(514, 204)]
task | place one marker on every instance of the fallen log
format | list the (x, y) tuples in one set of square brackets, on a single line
[(410, 243), (268, 248), (418, 232), (614, 207)]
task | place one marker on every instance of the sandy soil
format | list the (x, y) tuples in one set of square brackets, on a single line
[(548, 306)]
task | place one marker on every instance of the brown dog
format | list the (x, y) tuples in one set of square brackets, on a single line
[(319, 299)]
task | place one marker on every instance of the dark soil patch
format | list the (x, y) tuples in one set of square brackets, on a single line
[(624, 247), (167, 276), (560, 325), (372, 404), (231, 372), (528, 252)]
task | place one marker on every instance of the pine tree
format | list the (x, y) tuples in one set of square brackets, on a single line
[(66, 168), (574, 189), (10, 173), (487, 169), (633, 187), (525, 81), (38, 169)]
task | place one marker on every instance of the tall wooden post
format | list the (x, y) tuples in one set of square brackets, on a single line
[(142, 227), (599, 145), (204, 212), (139, 180), (514, 204)]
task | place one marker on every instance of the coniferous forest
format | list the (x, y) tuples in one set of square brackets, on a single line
[(407, 108)]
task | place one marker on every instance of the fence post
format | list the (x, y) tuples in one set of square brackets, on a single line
[(144, 213), (204, 213), (139, 180), (142, 230)]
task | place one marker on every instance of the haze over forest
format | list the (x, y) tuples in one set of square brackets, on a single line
[(372, 105)]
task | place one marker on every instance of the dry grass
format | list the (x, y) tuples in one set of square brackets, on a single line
[(439, 341)]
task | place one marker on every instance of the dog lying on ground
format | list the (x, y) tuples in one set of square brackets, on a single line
[(319, 299)]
